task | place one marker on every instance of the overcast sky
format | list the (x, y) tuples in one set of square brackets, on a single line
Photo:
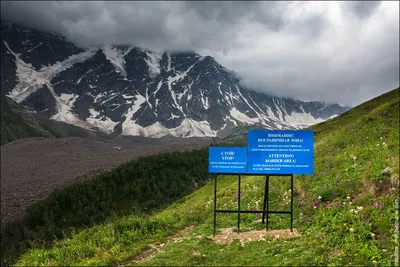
[(345, 52)]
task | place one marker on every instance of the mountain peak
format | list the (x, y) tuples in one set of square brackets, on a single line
[(134, 91)]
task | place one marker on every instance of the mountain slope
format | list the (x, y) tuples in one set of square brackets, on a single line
[(17, 123), (343, 212), (133, 91), (14, 126)]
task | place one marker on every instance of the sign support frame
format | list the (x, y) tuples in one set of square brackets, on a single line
[(265, 212)]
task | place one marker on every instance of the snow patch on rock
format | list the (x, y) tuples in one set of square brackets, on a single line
[(104, 124), (153, 62), (116, 57), (188, 128)]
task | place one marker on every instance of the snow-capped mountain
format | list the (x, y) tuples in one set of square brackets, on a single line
[(133, 91)]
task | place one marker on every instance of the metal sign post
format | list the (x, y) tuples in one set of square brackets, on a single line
[(266, 203), (215, 204)]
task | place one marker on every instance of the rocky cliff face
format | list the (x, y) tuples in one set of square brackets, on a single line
[(133, 91)]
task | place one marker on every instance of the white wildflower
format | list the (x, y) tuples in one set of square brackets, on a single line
[(351, 230), (319, 197), (359, 208), (354, 157), (372, 234)]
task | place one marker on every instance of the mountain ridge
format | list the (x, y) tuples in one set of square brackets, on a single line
[(133, 91)]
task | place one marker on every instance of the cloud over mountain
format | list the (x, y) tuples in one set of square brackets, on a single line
[(344, 52)]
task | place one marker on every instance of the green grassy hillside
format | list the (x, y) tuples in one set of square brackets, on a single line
[(345, 212), (17, 124)]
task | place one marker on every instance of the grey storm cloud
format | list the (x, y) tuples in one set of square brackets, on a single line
[(361, 9), (346, 52)]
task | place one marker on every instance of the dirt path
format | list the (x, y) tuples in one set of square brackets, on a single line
[(155, 249), (228, 235)]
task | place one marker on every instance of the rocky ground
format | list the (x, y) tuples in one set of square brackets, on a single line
[(32, 168)]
